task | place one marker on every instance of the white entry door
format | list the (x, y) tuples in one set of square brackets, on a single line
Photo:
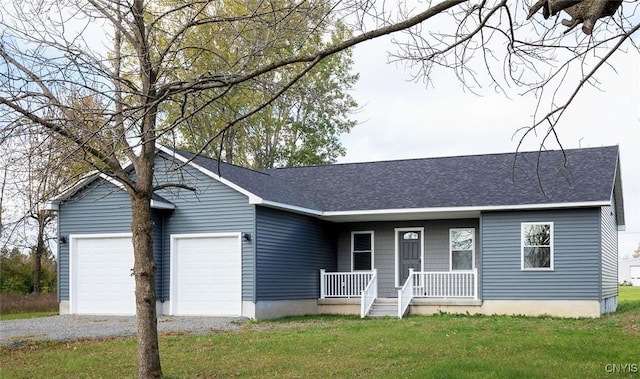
[(100, 275), (206, 274)]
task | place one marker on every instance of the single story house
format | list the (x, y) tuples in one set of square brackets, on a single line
[(533, 233), (629, 271)]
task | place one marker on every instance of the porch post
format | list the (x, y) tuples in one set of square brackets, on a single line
[(410, 278), (322, 286), (475, 286)]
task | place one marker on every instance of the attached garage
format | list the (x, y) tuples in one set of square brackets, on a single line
[(100, 280), (206, 274)]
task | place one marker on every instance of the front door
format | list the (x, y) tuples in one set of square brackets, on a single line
[(409, 251)]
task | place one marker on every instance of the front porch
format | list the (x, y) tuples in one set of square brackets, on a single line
[(424, 292)]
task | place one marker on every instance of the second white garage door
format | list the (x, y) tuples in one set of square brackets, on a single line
[(206, 274)]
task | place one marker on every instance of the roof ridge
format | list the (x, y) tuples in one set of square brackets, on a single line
[(441, 157)]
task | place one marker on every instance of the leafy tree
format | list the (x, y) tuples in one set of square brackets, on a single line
[(16, 273), (300, 127), (48, 50)]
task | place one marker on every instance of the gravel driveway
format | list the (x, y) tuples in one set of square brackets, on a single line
[(15, 333)]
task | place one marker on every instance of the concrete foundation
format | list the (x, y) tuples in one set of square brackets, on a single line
[(339, 306), (64, 308), (249, 309), (263, 310), (556, 308), (280, 308)]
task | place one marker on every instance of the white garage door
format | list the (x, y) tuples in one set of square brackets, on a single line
[(635, 275), (101, 281), (206, 274)]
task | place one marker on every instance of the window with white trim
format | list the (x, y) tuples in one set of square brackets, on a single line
[(362, 251), (537, 246), (462, 249)]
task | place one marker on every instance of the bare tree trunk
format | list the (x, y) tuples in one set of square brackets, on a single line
[(144, 270), (39, 250), (37, 263), (144, 267)]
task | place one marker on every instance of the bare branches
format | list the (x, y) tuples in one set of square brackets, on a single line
[(216, 81), (552, 118), (174, 185)]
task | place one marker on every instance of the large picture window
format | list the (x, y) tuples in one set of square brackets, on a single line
[(537, 246), (462, 247), (362, 251)]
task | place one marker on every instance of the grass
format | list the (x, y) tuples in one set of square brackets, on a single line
[(629, 294), (27, 304), (16, 316), (441, 346)]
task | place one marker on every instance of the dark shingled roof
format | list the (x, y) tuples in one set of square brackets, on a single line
[(261, 184), (530, 178)]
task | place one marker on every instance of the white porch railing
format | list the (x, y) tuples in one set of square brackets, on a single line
[(344, 284), (405, 294), (369, 295), (438, 284), (447, 284)]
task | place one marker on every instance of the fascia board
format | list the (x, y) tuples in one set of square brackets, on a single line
[(337, 214), (88, 178), (72, 189), (288, 207), (585, 204), (617, 197)]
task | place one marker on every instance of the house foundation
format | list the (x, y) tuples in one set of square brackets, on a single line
[(339, 306), (555, 308), (280, 308)]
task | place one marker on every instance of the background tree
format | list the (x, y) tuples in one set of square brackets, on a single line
[(636, 252), (48, 50), (36, 166), (17, 273), (28, 225), (300, 127)]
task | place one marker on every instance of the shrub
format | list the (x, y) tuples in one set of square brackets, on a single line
[(16, 273)]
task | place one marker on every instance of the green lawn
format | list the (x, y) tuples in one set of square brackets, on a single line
[(443, 346), (629, 294), (15, 316)]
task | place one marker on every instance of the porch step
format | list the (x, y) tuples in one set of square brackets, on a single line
[(384, 308)]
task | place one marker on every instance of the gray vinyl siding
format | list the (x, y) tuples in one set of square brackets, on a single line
[(609, 252), (290, 251), (158, 248), (212, 208), (100, 208), (576, 273), (436, 246)]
